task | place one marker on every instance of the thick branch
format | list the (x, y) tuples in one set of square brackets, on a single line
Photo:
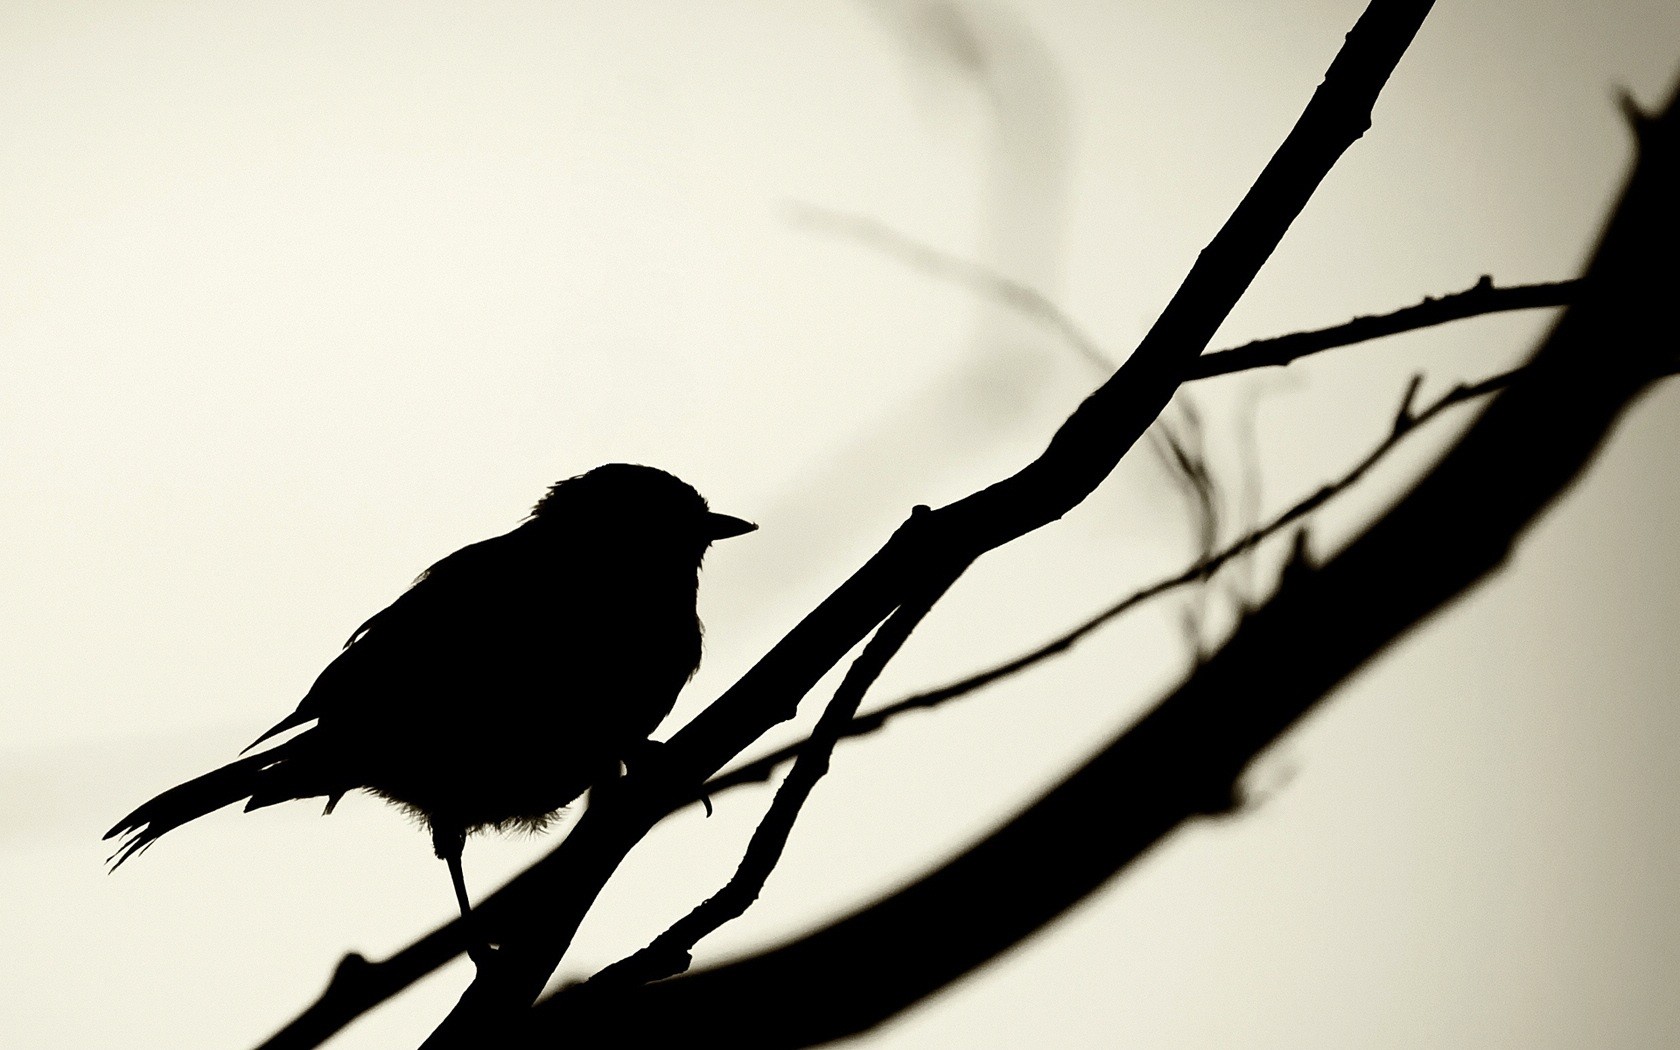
[(1455, 527)]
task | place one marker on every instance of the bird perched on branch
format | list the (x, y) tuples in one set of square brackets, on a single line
[(512, 676)]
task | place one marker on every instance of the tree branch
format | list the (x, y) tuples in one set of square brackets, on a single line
[(1481, 298), (1182, 759), (1407, 422), (537, 912)]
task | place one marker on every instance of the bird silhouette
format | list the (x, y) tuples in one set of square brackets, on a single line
[(512, 676)]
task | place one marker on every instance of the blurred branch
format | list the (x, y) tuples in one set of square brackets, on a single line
[(1182, 447), (943, 265), (1183, 759), (537, 912), (1407, 421), (669, 953)]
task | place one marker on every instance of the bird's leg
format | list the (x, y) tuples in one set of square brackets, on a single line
[(459, 879), (448, 845)]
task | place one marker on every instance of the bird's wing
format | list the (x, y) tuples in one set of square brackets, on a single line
[(450, 594)]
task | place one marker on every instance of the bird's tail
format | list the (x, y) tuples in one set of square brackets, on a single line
[(206, 794)]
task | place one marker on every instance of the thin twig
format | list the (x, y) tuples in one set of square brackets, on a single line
[(669, 953), (1479, 299)]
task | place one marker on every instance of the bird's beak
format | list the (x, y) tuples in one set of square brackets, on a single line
[(722, 526)]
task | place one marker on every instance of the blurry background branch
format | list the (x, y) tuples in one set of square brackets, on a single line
[(984, 280)]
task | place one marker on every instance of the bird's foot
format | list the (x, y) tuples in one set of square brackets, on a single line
[(640, 754), (647, 750)]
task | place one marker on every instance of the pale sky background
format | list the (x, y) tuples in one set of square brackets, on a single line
[(296, 298)]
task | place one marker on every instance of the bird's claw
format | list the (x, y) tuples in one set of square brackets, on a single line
[(641, 753)]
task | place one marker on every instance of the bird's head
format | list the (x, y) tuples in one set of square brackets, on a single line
[(644, 507)]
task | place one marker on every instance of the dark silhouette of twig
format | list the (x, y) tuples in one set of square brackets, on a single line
[(538, 911), (1184, 758), (1407, 421), (669, 953), (1481, 298)]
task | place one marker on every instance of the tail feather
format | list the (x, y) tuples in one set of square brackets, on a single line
[(197, 797), (291, 721)]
